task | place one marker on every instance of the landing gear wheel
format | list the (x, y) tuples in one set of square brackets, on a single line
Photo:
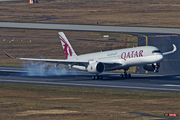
[(100, 77), (97, 77), (129, 75), (93, 77), (156, 71), (125, 75), (122, 76)]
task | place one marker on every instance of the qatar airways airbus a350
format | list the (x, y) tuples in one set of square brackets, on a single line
[(96, 63)]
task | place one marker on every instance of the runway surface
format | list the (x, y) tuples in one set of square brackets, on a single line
[(97, 28), (138, 82)]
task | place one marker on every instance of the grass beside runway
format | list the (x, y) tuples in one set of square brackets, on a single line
[(153, 13), (46, 43), (46, 102)]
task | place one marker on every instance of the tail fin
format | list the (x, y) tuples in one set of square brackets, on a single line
[(68, 50)]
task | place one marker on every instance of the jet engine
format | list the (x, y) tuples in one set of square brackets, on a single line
[(152, 67), (96, 68)]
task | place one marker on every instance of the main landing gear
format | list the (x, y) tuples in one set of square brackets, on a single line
[(97, 77), (125, 75), (100, 77)]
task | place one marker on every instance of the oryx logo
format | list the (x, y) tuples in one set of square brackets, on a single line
[(67, 49)]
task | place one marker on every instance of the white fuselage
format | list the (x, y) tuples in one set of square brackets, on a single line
[(123, 58)]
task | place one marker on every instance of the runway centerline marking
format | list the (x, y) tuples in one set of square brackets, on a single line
[(89, 85), (171, 85), (12, 71)]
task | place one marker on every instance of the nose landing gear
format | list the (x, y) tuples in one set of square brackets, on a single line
[(156, 67)]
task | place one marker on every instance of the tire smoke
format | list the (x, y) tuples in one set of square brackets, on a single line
[(46, 69)]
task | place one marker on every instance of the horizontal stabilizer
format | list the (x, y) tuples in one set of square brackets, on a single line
[(9, 55)]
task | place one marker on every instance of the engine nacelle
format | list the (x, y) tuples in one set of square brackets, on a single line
[(96, 68), (152, 67)]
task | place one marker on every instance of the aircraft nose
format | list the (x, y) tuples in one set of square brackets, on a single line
[(159, 57)]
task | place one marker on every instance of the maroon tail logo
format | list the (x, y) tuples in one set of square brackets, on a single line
[(67, 49)]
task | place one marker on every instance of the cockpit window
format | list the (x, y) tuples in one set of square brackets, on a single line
[(156, 51)]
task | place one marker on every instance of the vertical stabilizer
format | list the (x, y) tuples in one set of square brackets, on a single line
[(68, 50)]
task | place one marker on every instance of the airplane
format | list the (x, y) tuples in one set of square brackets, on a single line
[(96, 63)]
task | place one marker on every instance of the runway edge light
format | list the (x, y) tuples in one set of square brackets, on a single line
[(171, 114)]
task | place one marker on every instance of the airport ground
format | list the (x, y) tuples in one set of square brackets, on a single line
[(39, 102), (153, 13), (75, 96), (32, 102), (19, 101)]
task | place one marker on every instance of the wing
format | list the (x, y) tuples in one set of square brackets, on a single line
[(170, 52), (52, 60), (58, 61)]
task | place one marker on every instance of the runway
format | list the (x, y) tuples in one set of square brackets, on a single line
[(112, 80), (163, 38), (95, 28)]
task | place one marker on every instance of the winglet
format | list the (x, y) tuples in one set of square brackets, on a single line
[(9, 55), (174, 49)]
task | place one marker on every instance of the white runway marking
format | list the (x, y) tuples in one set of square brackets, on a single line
[(88, 85), (171, 85), (12, 71)]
